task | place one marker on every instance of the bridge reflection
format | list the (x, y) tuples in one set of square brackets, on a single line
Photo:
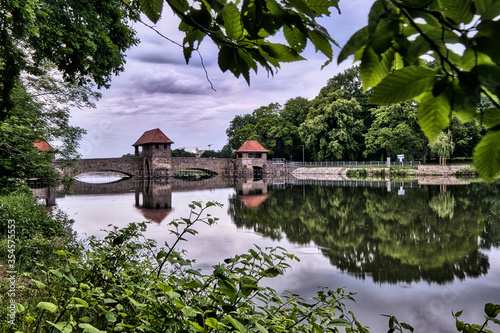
[(153, 197)]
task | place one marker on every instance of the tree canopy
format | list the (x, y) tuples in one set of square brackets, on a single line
[(461, 37)]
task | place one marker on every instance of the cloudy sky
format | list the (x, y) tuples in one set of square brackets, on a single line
[(158, 90)]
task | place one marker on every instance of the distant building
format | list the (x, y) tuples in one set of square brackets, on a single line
[(43, 145), (252, 155), (155, 149)]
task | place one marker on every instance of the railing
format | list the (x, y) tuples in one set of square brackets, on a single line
[(353, 164)]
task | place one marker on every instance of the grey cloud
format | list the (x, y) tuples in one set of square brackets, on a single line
[(157, 58)]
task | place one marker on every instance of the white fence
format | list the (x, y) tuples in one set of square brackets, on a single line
[(353, 164)]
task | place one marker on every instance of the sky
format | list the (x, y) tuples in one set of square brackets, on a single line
[(158, 90)]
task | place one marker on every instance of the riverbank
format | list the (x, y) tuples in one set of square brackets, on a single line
[(342, 173)]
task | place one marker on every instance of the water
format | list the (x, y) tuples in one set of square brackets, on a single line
[(414, 251)]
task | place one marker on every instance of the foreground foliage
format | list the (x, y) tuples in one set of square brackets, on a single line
[(391, 50), (125, 283), (38, 233)]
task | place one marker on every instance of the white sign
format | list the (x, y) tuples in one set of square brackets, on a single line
[(401, 157)]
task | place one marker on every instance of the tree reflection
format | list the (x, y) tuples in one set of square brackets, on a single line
[(370, 232)]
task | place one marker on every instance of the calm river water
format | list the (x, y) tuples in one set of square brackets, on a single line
[(410, 250)]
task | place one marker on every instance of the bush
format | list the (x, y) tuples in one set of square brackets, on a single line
[(357, 173), (37, 233)]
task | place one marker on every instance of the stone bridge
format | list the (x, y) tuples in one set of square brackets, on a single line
[(219, 166), (137, 166), (153, 159)]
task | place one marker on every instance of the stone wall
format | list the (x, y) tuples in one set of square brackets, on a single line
[(131, 166), (135, 166), (221, 166), (441, 169)]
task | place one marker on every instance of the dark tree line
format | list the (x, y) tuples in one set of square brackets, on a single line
[(340, 124)]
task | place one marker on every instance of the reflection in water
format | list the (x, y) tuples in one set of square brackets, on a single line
[(369, 232), (156, 201), (363, 228), (101, 177)]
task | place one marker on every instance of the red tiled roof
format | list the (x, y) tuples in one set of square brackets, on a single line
[(252, 146), (152, 136), (155, 214), (43, 146), (253, 201)]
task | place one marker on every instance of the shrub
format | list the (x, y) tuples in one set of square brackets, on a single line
[(357, 173), (37, 233)]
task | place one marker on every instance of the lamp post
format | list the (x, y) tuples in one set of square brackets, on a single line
[(303, 159)]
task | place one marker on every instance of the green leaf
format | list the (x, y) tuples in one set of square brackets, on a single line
[(491, 309), (80, 302), (232, 22), (488, 9), (458, 11), (212, 323), (152, 9), (322, 7), (403, 85), (189, 311), (487, 157), (491, 118), (87, 328), (302, 7), (111, 317), (197, 326), (295, 38), (354, 43), (39, 284), (488, 76), (433, 115), (251, 17), (236, 324), (340, 322), (373, 69), (51, 307), (281, 53), (62, 326), (487, 39), (19, 307), (321, 43)]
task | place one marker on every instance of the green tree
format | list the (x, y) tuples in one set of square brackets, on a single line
[(288, 142), (400, 32), (234, 137), (443, 147), (40, 112), (180, 152), (395, 131), (331, 126), (84, 40), (466, 136), (52, 53)]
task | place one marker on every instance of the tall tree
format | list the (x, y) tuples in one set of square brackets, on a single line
[(235, 138), (443, 146), (395, 131), (288, 141), (400, 32), (330, 127), (52, 53), (40, 113)]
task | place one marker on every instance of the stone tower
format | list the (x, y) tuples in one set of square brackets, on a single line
[(251, 158), (154, 148)]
